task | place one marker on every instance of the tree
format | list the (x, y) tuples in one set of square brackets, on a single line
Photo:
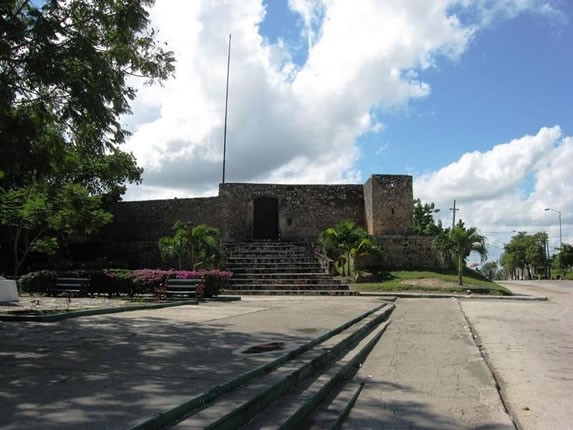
[(458, 243), (200, 244), (205, 246), (424, 223), (563, 261), (177, 246), (63, 76), (65, 70), (38, 221), (490, 270), (344, 243), (526, 252)]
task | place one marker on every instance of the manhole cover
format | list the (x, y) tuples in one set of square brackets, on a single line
[(265, 347), (309, 330)]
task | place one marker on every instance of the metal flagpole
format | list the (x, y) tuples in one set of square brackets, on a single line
[(226, 104)]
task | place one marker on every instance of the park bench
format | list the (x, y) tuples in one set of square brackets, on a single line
[(70, 287), (175, 288)]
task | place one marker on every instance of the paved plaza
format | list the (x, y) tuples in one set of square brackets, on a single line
[(114, 371)]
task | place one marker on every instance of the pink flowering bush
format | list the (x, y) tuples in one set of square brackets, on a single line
[(129, 282)]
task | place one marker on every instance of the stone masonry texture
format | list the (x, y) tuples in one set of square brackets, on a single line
[(383, 205)]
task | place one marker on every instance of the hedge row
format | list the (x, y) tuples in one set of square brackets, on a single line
[(124, 282)]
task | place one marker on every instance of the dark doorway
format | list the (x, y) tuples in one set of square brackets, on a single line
[(266, 218)]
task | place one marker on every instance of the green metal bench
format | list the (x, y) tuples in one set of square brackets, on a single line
[(70, 287), (175, 288)]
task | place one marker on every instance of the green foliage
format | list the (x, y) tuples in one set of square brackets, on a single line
[(205, 246), (527, 253), (490, 270), (344, 243), (200, 244), (64, 69), (177, 246), (424, 223), (456, 245), (563, 262), (36, 282), (40, 218), (63, 75)]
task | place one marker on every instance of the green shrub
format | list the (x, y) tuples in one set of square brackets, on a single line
[(37, 282)]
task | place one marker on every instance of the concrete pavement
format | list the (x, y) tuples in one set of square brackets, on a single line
[(427, 373), (530, 349), (113, 371)]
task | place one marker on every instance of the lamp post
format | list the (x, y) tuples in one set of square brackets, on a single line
[(560, 233)]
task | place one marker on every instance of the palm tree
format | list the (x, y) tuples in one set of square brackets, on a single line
[(200, 244), (204, 246), (344, 243), (458, 243)]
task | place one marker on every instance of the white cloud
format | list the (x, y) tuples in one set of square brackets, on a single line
[(286, 122), (486, 187)]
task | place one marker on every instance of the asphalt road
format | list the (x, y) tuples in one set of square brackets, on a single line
[(529, 346)]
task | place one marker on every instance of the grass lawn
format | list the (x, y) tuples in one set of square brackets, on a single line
[(424, 281)]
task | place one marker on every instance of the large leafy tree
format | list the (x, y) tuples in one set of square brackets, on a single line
[(344, 243), (424, 223), (458, 243), (65, 70), (563, 261), (527, 253), (39, 218)]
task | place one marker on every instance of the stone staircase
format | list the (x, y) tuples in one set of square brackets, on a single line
[(310, 387), (270, 267)]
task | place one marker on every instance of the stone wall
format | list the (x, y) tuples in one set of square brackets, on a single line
[(303, 210), (388, 203), (151, 219), (406, 252), (403, 252), (383, 205)]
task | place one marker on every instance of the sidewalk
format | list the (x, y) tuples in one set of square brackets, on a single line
[(427, 373), (114, 371)]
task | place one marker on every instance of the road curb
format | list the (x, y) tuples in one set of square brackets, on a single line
[(404, 295), (54, 317)]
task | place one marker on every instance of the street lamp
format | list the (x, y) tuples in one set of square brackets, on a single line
[(560, 235)]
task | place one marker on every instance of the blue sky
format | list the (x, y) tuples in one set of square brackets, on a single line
[(515, 78), (471, 97)]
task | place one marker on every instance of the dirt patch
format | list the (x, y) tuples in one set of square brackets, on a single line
[(429, 282)]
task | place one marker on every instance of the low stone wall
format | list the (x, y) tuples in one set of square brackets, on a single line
[(404, 252)]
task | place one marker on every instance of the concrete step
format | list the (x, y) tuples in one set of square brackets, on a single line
[(274, 275), (292, 410), (270, 269), (285, 281), (334, 410), (298, 292), (270, 259), (193, 405), (287, 286), (237, 408)]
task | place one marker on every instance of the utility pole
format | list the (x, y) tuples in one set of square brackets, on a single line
[(226, 103), (454, 210)]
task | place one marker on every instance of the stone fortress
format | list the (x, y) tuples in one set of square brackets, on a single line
[(271, 212)]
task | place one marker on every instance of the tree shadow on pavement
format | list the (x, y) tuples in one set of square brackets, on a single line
[(113, 372)]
